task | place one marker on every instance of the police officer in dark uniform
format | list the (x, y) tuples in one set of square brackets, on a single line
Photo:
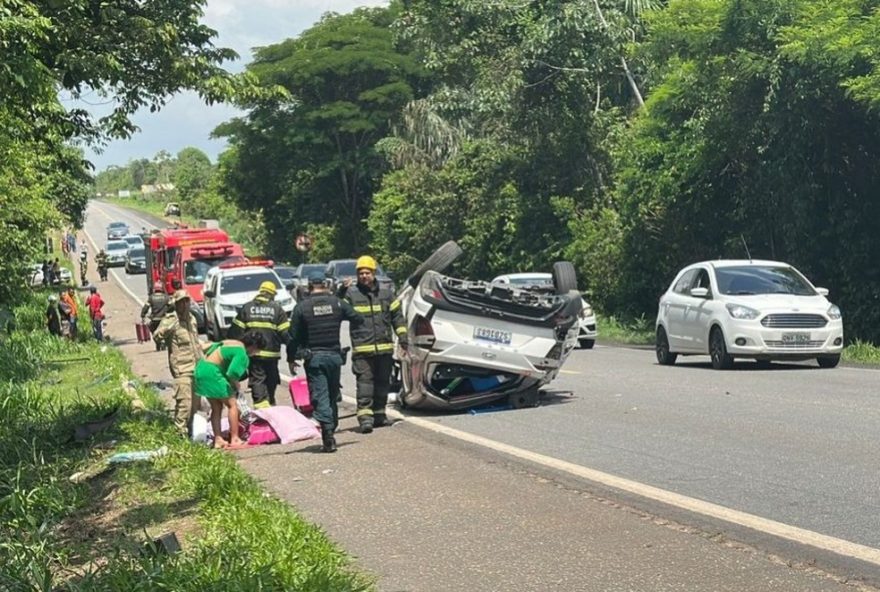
[(263, 315), (314, 337)]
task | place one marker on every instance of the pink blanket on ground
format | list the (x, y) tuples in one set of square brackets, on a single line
[(288, 423)]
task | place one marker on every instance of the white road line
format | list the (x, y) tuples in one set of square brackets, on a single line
[(113, 272), (715, 511)]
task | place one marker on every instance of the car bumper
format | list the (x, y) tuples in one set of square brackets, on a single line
[(751, 339), (587, 328), (115, 261), (136, 267)]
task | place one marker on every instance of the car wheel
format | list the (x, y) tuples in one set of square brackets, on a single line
[(438, 261), (721, 360), (664, 356), (828, 361), (564, 277), (523, 399), (763, 364), (587, 343)]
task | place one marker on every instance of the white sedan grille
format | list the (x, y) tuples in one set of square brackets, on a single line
[(794, 321)]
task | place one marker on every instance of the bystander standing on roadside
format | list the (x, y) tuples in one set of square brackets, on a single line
[(179, 334), (53, 316), (69, 300), (45, 269), (95, 304), (56, 272)]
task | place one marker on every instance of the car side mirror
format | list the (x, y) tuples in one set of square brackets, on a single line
[(290, 285), (822, 291), (700, 292), (208, 293)]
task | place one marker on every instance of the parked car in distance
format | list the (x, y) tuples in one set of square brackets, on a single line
[(136, 260), (763, 310), (230, 286), (172, 209), (287, 273), (133, 241), (36, 274), (298, 283), (339, 270), (117, 230), (543, 282), (116, 251)]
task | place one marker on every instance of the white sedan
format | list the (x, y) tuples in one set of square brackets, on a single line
[(544, 282), (763, 310)]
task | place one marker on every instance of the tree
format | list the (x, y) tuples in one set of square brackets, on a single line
[(313, 160), (193, 173)]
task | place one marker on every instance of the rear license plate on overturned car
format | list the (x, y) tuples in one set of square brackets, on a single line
[(492, 335), (795, 338)]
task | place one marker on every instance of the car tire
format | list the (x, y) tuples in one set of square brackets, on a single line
[(587, 343), (526, 398), (661, 348), (721, 360), (828, 361), (438, 261), (564, 277)]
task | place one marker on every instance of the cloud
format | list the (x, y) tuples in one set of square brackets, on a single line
[(241, 25)]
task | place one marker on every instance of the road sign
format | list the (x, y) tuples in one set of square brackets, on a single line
[(303, 243)]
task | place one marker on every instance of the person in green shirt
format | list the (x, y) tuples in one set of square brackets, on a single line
[(217, 378)]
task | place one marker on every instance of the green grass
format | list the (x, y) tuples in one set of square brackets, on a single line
[(862, 352), (638, 331), (59, 535)]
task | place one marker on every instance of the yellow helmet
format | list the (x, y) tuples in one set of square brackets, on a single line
[(366, 262), (268, 287)]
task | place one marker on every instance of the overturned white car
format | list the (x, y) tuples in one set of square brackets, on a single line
[(473, 342)]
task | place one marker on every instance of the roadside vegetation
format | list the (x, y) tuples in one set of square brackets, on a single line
[(90, 535)]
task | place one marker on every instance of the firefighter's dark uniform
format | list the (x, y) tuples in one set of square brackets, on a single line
[(372, 345), (263, 315), (314, 336), (156, 307)]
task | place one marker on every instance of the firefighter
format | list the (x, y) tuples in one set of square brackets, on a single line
[(101, 262), (179, 334), (372, 343), (314, 338), (156, 306), (263, 315)]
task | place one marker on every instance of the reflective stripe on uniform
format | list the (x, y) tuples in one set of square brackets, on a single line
[(400, 330), (260, 325), (267, 354), (373, 347), (284, 326), (394, 305), (235, 322), (368, 308), (366, 411)]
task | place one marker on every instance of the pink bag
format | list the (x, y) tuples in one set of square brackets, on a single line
[(299, 395), (262, 433)]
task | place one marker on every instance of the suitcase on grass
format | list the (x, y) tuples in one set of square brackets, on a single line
[(299, 395), (143, 332)]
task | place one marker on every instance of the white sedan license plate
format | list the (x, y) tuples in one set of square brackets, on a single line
[(492, 335), (795, 337)]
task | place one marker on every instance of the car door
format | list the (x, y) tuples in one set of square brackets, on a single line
[(674, 304), (697, 313)]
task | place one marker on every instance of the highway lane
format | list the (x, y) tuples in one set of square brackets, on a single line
[(793, 444)]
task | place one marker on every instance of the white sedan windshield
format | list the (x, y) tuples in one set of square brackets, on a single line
[(749, 280)]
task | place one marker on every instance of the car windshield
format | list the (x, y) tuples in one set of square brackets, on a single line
[(749, 280), (133, 240), (195, 270), (344, 268), (117, 246), (115, 225), (312, 269), (285, 273), (137, 254), (247, 282)]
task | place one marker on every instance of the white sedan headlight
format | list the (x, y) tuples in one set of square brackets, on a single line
[(834, 312), (738, 311), (227, 308), (586, 311)]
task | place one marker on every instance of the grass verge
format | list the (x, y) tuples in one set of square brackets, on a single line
[(88, 534), (862, 352), (638, 331)]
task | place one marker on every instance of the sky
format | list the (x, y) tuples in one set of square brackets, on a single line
[(185, 120)]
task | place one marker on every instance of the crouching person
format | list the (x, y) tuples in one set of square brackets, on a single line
[(217, 379)]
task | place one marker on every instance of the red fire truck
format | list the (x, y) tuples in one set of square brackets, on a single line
[(181, 257)]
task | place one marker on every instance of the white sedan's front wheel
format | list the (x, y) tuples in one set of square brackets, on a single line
[(828, 361), (721, 360), (664, 356)]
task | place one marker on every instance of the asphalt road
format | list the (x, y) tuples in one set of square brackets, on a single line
[(793, 444)]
